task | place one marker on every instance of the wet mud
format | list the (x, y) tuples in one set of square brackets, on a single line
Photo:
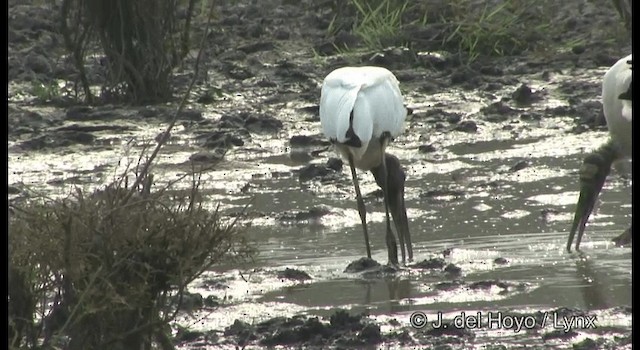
[(491, 153)]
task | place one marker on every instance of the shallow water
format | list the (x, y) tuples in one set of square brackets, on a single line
[(491, 212)]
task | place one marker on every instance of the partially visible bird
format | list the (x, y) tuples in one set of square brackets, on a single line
[(361, 111), (616, 103)]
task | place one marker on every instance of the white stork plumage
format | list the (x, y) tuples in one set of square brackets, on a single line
[(616, 103), (361, 111)]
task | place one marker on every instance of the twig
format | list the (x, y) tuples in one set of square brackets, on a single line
[(183, 102)]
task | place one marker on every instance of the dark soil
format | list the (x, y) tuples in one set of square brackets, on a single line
[(271, 47)]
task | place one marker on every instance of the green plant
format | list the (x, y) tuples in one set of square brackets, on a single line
[(44, 92), (379, 23), (494, 28)]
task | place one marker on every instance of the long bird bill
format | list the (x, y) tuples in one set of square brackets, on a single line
[(593, 173)]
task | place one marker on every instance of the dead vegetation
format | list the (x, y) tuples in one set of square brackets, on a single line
[(92, 271)]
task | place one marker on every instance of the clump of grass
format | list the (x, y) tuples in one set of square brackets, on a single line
[(45, 92), (494, 28), (470, 28), (97, 271), (379, 23)]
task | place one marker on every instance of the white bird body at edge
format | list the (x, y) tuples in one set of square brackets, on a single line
[(373, 94), (617, 112), (617, 108), (361, 111)]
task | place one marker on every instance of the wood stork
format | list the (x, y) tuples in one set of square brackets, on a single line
[(616, 103), (361, 111)]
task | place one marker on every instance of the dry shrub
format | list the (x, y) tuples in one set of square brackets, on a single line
[(142, 41), (94, 272)]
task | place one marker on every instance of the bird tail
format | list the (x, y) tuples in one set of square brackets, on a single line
[(335, 112), (626, 109)]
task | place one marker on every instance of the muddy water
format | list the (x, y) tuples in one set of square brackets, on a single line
[(497, 203)]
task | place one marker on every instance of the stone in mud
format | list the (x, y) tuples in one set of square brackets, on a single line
[(221, 139), (211, 301), (441, 193), (454, 118), (519, 166), (524, 96), (452, 270), (305, 140), (496, 118), (466, 126), (559, 334), (435, 60), (233, 121), (448, 285), (208, 157), (58, 139), (380, 272), (335, 164), (293, 274), (312, 214), (500, 261), (488, 284), (361, 264), (393, 57), (426, 148), (433, 263)]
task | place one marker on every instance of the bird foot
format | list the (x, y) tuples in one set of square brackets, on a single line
[(624, 239)]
